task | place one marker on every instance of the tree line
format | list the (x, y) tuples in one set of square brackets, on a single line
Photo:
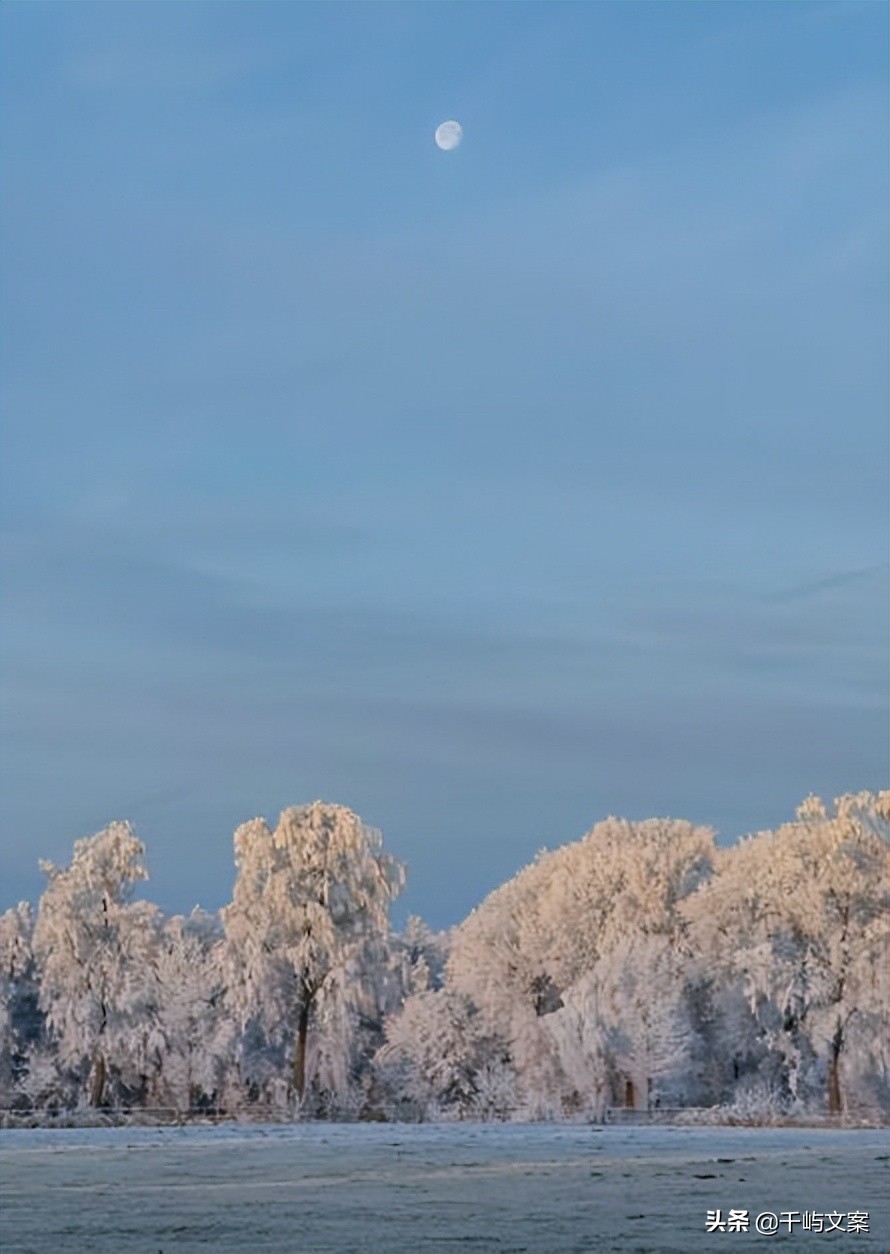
[(640, 966)]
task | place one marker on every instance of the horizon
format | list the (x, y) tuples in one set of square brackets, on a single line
[(486, 491)]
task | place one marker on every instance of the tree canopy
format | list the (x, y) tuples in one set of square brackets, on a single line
[(642, 965)]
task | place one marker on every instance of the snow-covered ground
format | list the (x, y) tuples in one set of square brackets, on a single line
[(391, 1187)]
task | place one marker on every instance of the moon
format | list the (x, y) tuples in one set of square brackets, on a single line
[(449, 134)]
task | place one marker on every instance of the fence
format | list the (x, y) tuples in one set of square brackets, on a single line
[(160, 1116)]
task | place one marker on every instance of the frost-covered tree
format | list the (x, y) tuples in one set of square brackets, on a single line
[(532, 940), (637, 965), (627, 1032), (21, 1022), (799, 917), (418, 956), (440, 1062), (94, 949), (307, 925), (191, 1037), (582, 1041), (645, 1010)]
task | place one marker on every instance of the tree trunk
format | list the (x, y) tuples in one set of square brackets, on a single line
[(300, 1052), (97, 1080), (630, 1096), (835, 1099)]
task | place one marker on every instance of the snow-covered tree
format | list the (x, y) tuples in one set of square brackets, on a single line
[(637, 965), (418, 956), (307, 925), (21, 1023), (645, 1011), (191, 1038), (799, 917), (440, 1062), (550, 926), (94, 949), (583, 1044)]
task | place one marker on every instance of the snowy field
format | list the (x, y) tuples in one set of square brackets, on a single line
[(393, 1187)]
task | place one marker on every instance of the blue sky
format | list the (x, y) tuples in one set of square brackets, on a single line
[(487, 492)]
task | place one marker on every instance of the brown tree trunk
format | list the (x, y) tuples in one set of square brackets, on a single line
[(630, 1096), (835, 1099), (300, 1051), (97, 1080)]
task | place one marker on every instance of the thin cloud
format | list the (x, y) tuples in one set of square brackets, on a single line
[(803, 591)]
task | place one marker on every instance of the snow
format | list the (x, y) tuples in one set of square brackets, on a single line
[(392, 1188)]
